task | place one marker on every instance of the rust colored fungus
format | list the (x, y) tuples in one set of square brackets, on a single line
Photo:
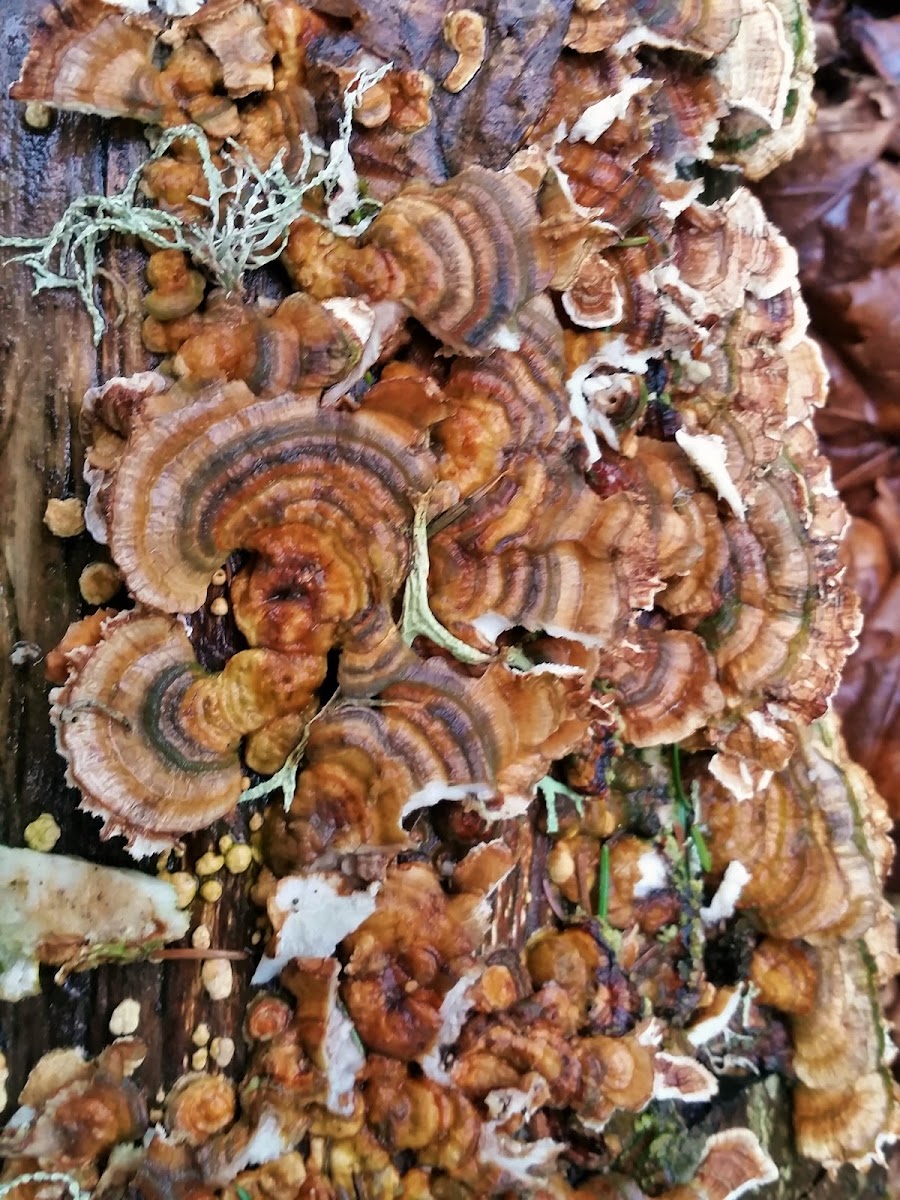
[(814, 840), (152, 740), (78, 1110), (432, 734), (85, 57), (245, 466), (530, 595)]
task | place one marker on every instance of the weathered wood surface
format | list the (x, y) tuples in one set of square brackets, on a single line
[(47, 360)]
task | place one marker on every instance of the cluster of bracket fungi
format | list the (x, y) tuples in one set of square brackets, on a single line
[(521, 514)]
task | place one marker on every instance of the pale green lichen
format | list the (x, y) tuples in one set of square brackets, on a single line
[(284, 780), (417, 617), (249, 212), (551, 789)]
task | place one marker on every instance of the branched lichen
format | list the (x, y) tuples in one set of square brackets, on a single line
[(551, 789), (70, 1183), (417, 616), (284, 780), (249, 212)]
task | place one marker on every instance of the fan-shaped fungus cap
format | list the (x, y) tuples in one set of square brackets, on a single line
[(85, 57), (200, 1106), (468, 253), (120, 726), (812, 840), (784, 975), (403, 960), (208, 478), (541, 550), (151, 740), (237, 37), (435, 735), (75, 1112), (302, 344), (508, 400), (706, 31), (665, 685), (733, 1164), (615, 1073), (847, 1106)]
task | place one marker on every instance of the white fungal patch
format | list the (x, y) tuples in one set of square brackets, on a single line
[(654, 874), (311, 916), (709, 454), (597, 118), (722, 905)]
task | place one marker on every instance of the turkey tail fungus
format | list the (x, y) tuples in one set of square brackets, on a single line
[(476, 422)]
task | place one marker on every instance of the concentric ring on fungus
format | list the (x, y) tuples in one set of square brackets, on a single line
[(527, 580)]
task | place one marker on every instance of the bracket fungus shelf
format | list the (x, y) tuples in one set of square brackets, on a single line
[(471, 531)]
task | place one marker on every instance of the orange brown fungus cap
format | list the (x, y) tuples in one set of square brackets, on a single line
[(541, 550), (508, 400), (664, 683), (121, 726), (78, 1110), (152, 740), (813, 840), (468, 253), (302, 344), (520, 479), (432, 735), (85, 57), (212, 476)]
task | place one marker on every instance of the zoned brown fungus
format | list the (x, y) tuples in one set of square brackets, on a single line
[(463, 258), (85, 57), (214, 475), (813, 839), (517, 489), (76, 1111), (151, 740), (432, 734)]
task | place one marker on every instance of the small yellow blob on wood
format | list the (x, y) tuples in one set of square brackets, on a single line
[(226, 841), (42, 833), (99, 582), (199, 1059), (221, 1051), (64, 518), (219, 577), (185, 886), (217, 977), (209, 863), (256, 822), (200, 938), (38, 115), (4, 1076), (200, 1036), (126, 1017), (238, 859), (211, 891), (219, 607)]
